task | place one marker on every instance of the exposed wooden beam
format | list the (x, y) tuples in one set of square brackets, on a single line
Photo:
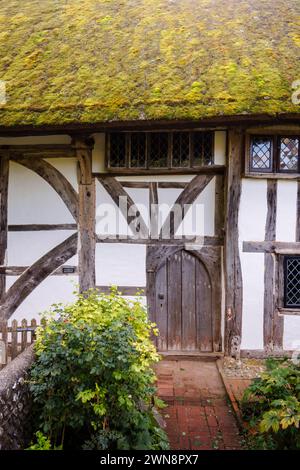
[(115, 190), (18, 270), (298, 213), (207, 241), (56, 179), (87, 211), (233, 272), (213, 170), (269, 266), (219, 205), (35, 274), (4, 171), (125, 290), (160, 184), (40, 227), (271, 247)]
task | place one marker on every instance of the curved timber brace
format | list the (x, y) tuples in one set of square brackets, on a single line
[(51, 261)]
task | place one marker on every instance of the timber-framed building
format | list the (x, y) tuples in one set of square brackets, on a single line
[(164, 102)]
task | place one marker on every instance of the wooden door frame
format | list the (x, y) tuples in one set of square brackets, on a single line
[(211, 259)]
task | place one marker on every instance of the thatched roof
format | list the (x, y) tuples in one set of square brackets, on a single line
[(89, 61)]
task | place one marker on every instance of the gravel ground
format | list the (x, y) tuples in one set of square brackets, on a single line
[(245, 368)]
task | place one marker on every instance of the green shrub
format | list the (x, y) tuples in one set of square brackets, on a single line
[(92, 381), (271, 404)]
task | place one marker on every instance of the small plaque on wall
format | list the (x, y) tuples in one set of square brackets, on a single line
[(68, 270)]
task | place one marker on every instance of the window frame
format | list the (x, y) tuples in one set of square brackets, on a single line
[(285, 305), (169, 166), (275, 171)]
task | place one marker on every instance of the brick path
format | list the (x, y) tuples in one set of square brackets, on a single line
[(198, 416)]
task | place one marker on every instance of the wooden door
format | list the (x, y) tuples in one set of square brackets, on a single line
[(183, 305)]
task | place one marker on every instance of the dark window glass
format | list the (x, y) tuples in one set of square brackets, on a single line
[(289, 154), (158, 155), (138, 150), (261, 154), (292, 281), (117, 155), (181, 149), (202, 148)]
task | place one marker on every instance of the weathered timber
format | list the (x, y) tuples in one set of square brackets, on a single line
[(219, 206), (4, 171), (233, 272), (298, 213), (271, 247), (56, 179), (213, 169), (180, 241), (86, 224), (124, 290), (146, 185), (153, 210), (35, 274), (269, 269), (188, 196), (40, 227), (129, 211), (18, 270)]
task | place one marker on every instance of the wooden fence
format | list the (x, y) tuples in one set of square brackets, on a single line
[(15, 338)]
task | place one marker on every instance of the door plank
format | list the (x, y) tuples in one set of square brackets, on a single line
[(161, 302), (203, 309), (189, 335), (174, 302)]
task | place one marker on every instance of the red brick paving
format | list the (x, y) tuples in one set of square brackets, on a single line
[(198, 416)]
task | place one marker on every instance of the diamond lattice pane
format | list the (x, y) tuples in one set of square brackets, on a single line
[(117, 154), (289, 153), (292, 288), (203, 148), (138, 150), (181, 149), (158, 157), (261, 154)]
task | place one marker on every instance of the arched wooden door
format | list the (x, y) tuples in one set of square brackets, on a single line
[(183, 305)]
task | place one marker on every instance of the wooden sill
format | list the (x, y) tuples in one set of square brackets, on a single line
[(273, 176), (215, 169), (288, 311)]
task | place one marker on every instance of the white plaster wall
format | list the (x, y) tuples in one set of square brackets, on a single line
[(291, 332), (286, 211), (24, 248), (220, 147), (98, 156), (120, 264), (33, 201), (54, 289), (67, 167), (252, 220), (253, 300)]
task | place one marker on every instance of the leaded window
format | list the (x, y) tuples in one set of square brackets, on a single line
[(274, 154), (292, 281), (165, 150), (261, 154), (289, 154), (117, 150)]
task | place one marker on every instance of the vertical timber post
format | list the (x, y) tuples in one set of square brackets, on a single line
[(4, 170), (86, 222), (232, 264)]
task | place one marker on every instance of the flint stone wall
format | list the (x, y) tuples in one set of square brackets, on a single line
[(15, 402)]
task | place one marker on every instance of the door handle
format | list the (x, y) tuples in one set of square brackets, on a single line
[(161, 296)]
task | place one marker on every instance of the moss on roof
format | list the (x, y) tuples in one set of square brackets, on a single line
[(88, 61)]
